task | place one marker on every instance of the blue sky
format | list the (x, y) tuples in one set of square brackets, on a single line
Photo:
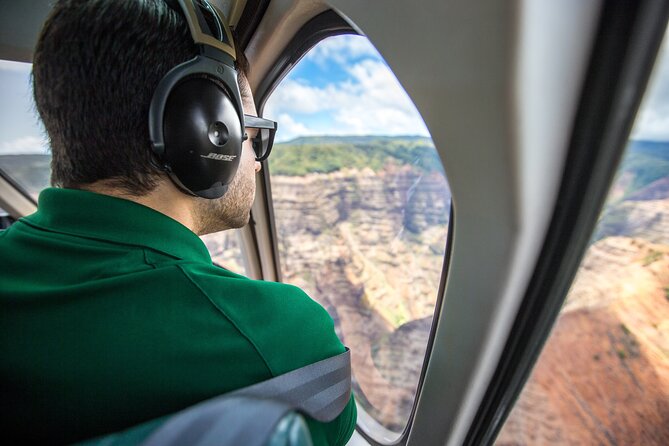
[(20, 130), (653, 120), (341, 87)]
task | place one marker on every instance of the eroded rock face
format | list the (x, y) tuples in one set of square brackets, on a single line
[(388, 201), (604, 379), (603, 376), (642, 214), (369, 247), (647, 219)]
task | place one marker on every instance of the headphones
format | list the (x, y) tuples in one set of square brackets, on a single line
[(196, 119)]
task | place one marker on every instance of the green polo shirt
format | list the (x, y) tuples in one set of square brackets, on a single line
[(113, 314)]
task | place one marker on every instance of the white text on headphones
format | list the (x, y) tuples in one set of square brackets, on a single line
[(219, 156)]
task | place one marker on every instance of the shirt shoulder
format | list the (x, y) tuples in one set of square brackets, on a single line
[(286, 326)]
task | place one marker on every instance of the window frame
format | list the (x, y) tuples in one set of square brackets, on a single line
[(627, 42), (324, 25), (330, 24), (14, 199)]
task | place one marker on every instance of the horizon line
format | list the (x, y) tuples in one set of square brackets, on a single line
[(423, 136)]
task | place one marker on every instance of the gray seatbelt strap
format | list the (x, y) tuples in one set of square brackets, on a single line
[(320, 390), (248, 415)]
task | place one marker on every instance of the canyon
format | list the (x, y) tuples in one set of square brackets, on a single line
[(603, 375), (369, 243)]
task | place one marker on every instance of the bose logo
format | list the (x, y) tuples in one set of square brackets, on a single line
[(219, 156)]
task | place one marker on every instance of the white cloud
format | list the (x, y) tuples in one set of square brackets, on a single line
[(652, 124), (653, 120), (21, 67), (297, 97), (290, 129), (373, 102), (377, 104), (341, 50), (24, 145)]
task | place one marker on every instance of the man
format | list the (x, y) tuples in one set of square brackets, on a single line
[(111, 310)]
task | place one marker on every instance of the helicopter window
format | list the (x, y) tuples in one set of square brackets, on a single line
[(603, 375), (23, 151), (361, 206), (226, 250)]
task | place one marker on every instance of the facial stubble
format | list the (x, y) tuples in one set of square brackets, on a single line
[(229, 211)]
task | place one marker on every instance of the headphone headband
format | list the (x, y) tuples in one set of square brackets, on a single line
[(195, 21)]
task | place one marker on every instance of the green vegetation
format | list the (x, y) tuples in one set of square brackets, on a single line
[(666, 292), (652, 256), (646, 169), (647, 161), (644, 163), (328, 154), (614, 221), (621, 353)]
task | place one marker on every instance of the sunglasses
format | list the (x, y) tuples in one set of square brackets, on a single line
[(264, 139)]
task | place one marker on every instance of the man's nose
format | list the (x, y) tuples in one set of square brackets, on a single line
[(258, 166)]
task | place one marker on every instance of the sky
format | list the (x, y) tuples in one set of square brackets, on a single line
[(341, 87), (20, 129), (653, 120)]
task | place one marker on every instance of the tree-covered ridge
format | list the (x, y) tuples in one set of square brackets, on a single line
[(644, 163), (638, 202), (324, 154)]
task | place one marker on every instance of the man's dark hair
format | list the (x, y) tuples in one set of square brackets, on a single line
[(96, 65)]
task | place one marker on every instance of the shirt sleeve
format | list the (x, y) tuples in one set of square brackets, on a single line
[(338, 431)]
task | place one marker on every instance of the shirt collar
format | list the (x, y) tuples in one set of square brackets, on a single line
[(102, 217)]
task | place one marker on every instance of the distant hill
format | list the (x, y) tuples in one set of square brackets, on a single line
[(325, 154), (656, 149), (639, 203), (354, 139), (32, 172), (657, 190), (312, 154), (644, 163)]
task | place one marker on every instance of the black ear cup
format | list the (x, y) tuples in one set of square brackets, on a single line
[(202, 136)]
